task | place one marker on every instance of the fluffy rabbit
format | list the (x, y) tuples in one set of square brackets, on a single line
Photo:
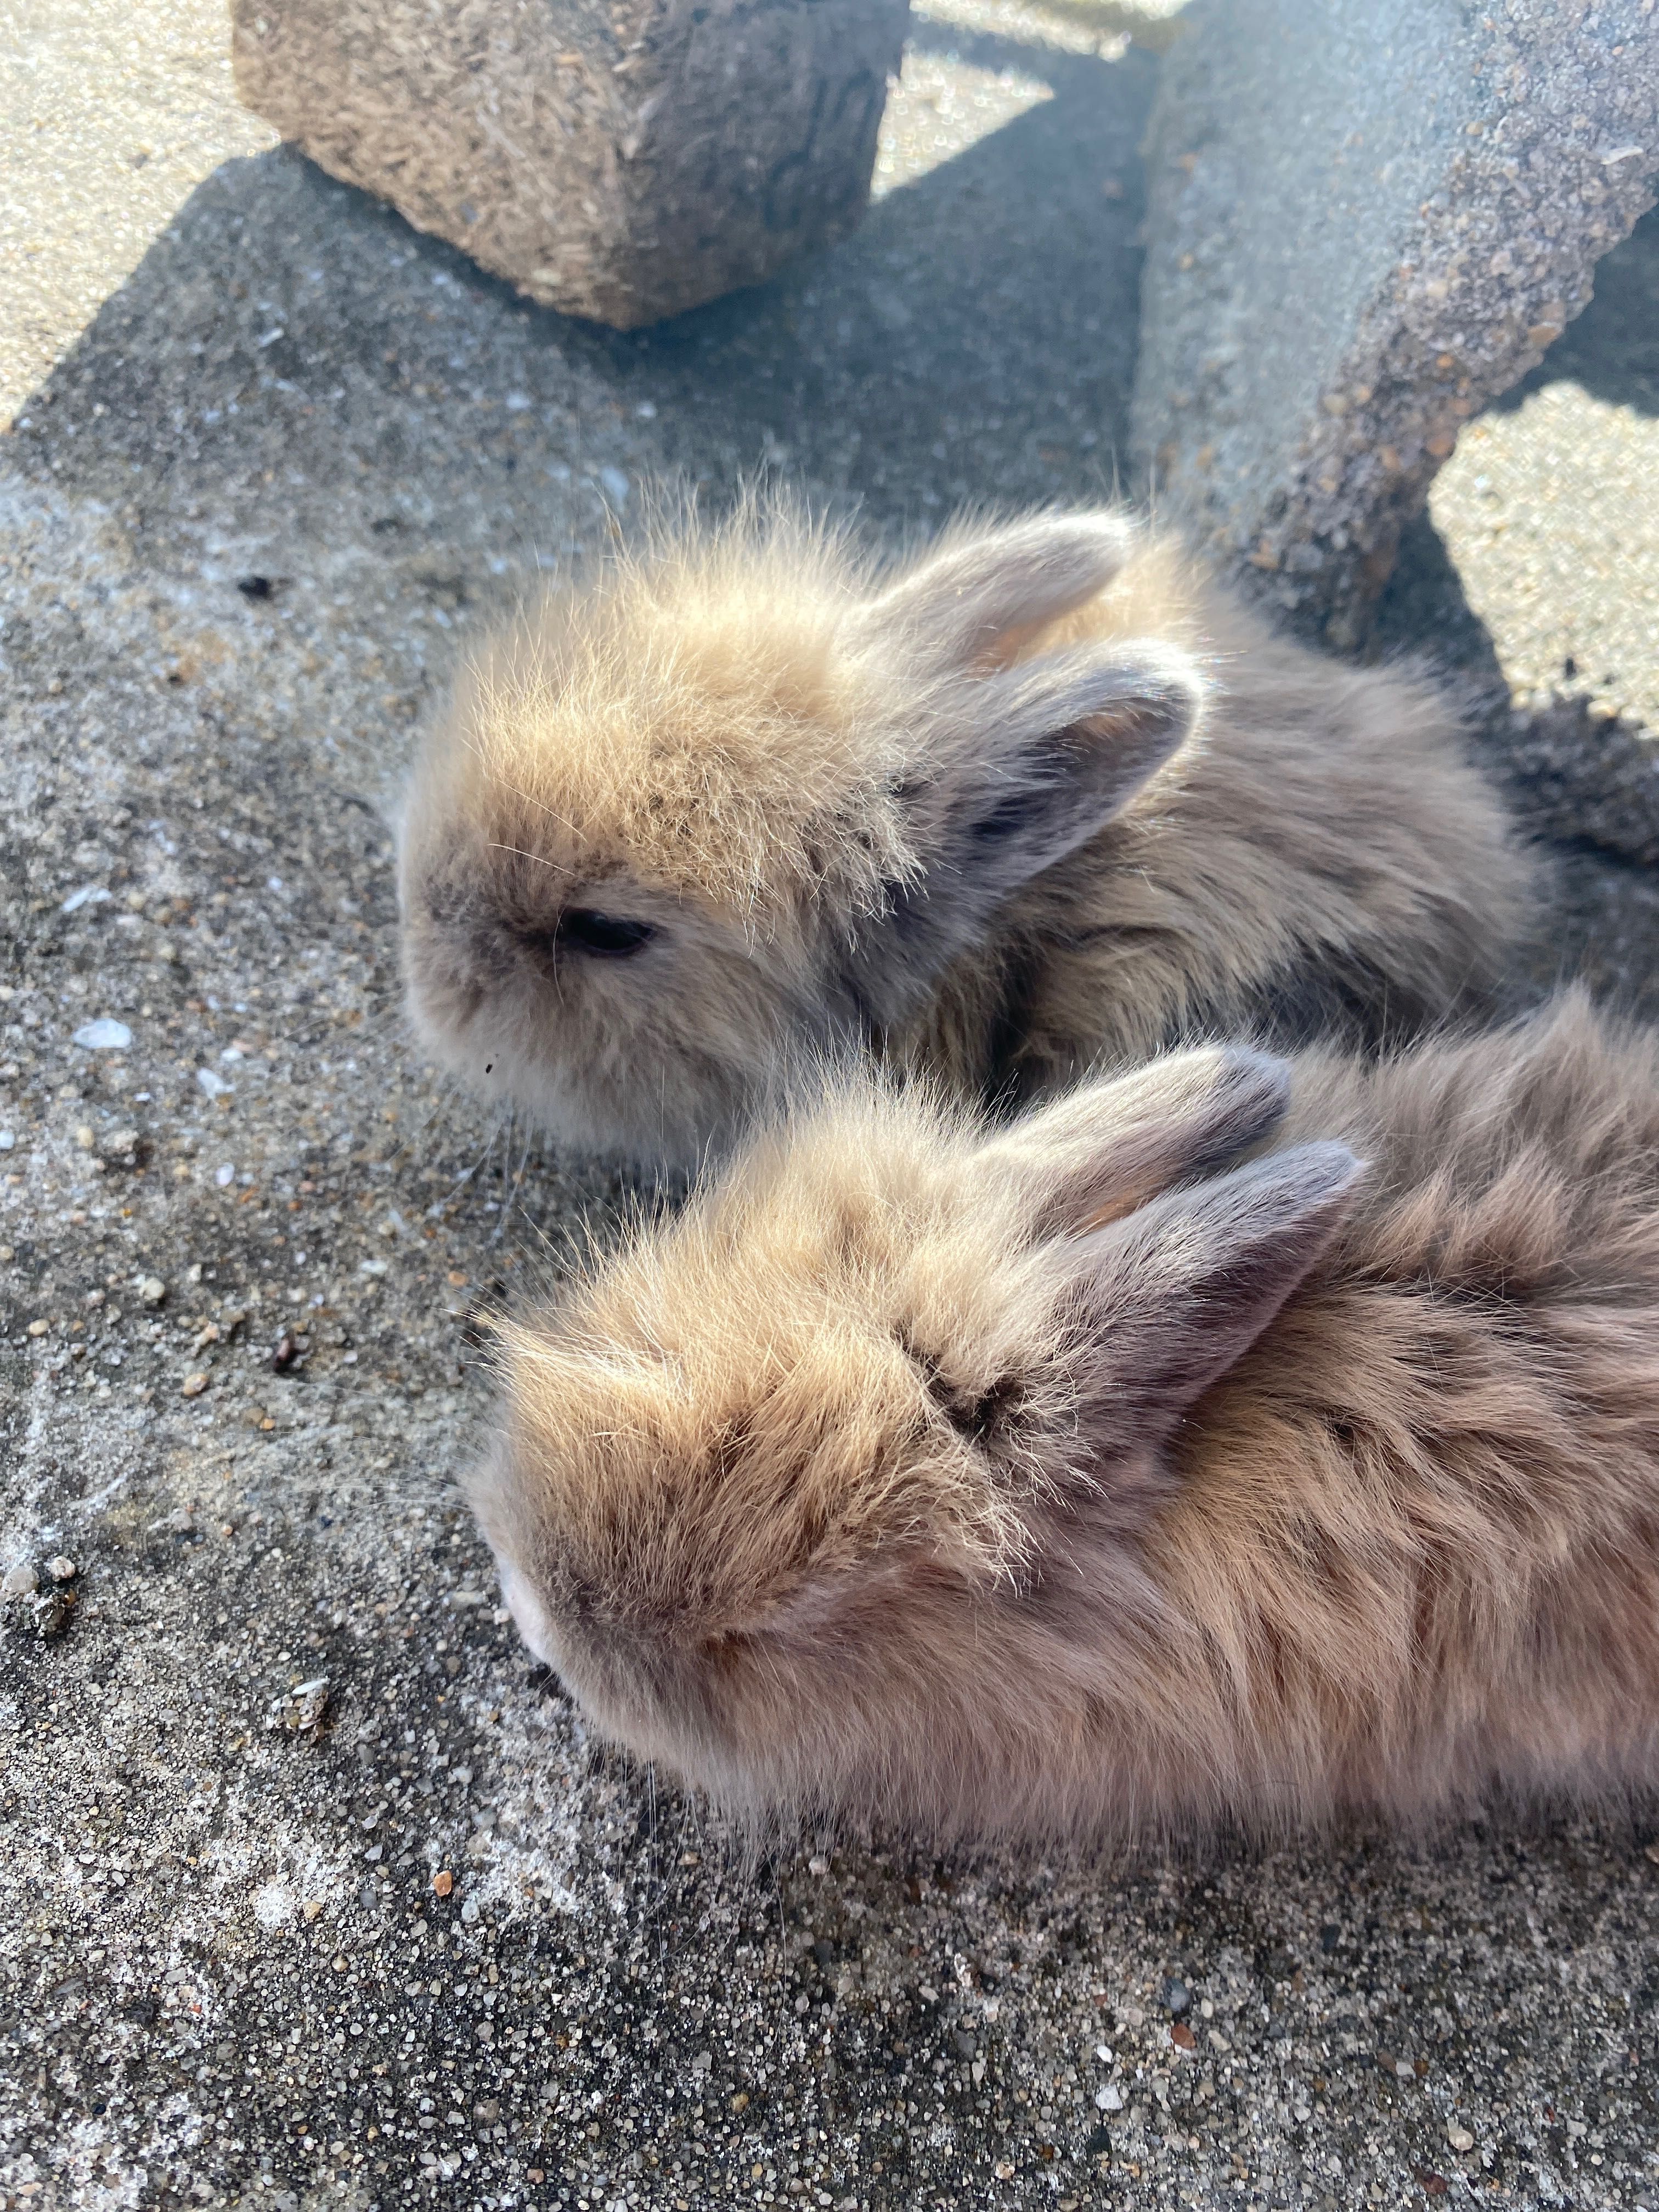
[(1076, 1480), (1044, 799)]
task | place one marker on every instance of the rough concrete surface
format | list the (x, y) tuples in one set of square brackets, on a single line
[(1364, 224), (621, 159), (316, 1893)]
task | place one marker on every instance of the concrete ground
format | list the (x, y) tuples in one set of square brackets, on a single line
[(316, 1893)]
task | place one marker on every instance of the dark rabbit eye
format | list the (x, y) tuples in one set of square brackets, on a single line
[(583, 930), (975, 1419)]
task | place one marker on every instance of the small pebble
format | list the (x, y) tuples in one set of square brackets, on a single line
[(53, 1611), (21, 1581), (62, 1569), (105, 1035), (1175, 1995), (193, 1385), (151, 1289), (442, 1882), (1109, 2099), (1458, 2136), (305, 1705)]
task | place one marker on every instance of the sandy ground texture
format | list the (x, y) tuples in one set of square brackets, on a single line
[(316, 1893)]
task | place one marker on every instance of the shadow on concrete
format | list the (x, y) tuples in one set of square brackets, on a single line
[(291, 364), (1572, 776), (1612, 349), (985, 319), (974, 340)]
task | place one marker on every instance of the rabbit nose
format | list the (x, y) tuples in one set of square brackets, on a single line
[(530, 1615)]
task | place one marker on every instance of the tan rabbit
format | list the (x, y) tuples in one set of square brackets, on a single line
[(1044, 799), (1075, 1480)]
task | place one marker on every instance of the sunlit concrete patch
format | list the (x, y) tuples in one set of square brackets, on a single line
[(943, 105), (1550, 516), (98, 160), (1103, 28)]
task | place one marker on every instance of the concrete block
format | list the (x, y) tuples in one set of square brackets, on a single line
[(618, 159), (1363, 222)]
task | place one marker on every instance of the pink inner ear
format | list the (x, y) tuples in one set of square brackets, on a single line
[(1129, 1200), (1092, 1158), (530, 1615), (1174, 1294)]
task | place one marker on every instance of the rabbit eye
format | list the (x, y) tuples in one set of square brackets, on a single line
[(581, 929), (602, 933), (973, 1418)]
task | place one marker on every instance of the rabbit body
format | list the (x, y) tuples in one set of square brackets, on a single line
[(1044, 797), (1072, 1479)]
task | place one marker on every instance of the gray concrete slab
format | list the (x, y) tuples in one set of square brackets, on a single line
[(411, 1938)]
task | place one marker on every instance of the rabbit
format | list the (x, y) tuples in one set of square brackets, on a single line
[(1235, 1442), (1043, 799)]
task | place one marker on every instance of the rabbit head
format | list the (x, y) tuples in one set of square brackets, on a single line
[(735, 808), (832, 1495)]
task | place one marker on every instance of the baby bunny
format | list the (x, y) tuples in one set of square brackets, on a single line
[(1077, 1480), (1044, 799)]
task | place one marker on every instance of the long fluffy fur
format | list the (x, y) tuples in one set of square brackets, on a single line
[(1070, 1481), (1042, 797)]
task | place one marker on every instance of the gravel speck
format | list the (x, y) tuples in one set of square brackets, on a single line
[(105, 1035)]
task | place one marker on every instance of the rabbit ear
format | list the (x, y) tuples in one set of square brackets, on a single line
[(972, 596), (1101, 1151), (1168, 1299), (1035, 761)]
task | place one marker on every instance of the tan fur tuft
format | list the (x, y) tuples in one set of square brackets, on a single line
[(692, 717)]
